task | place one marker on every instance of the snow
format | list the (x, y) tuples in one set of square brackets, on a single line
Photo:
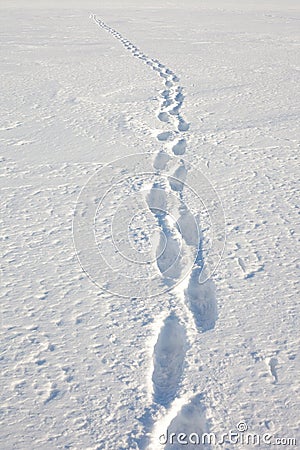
[(134, 137)]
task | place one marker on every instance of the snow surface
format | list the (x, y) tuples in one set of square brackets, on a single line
[(134, 136)]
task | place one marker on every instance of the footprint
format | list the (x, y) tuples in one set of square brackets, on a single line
[(180, 147), (168, 102), (201, 300), (161, 160), (165, 93), (273, 362), (179, 98), (175, 111), (187, 428), (188, 227), (183, 126), (177, 180), (168, 360), (163, 75), (163, 117), (157, 200), (165, 135), (168, 254)]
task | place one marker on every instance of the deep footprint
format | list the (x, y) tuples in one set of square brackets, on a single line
[(161, 160), (191, 420), (165, 135), (163, 117), (168, 360), (177, 180), (183, 126), (180, 147), (188, 227), (201, 300), (168, 255), (157, 200)]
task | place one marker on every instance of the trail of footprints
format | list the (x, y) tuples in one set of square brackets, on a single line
[(172, 342)]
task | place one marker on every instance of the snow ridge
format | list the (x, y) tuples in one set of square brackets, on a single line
[(197, 300)]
